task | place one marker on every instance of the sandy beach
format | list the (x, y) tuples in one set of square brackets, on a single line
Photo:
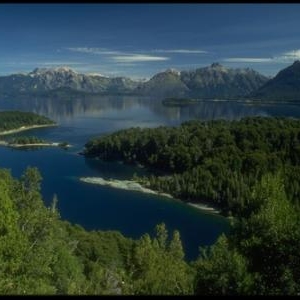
[(122, 184), (6, 144), (135, 186), (23, 128), (204, 207)]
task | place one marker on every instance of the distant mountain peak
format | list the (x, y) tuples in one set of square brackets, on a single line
[(296, 62), (173, 71), (61, 69), (215, 65), (218, 67), (97, 74), (64, 69)]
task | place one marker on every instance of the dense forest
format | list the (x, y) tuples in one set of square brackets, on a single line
[(42, 254), (23, 140), (15, 119), (215, 162)]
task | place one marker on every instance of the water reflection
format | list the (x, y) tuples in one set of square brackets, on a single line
[(63, 110)]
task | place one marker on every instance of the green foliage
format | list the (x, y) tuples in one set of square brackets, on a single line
[(261, 256), (217, 162), (222, 271), (23, 140), (158, 267), (15, 119), (270, 237), (41, 254)]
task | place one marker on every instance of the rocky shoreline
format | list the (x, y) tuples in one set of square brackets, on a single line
[(131, 185)]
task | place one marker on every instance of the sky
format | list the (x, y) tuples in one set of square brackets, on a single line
[(139, 40)]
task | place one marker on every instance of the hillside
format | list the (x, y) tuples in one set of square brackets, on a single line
[(211, 82), (217, 81), (285, 86), (164, 84)]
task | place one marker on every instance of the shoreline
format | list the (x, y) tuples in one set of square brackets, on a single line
[(129, 185), (24, 128), (132, 185), (204, 207), (6, 144)]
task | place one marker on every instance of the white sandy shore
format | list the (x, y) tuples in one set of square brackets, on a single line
[(122, 184), (4, 143), (204, 207), (134, 186), (23, 128)]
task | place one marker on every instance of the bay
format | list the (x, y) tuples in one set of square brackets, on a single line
[(105, 208)]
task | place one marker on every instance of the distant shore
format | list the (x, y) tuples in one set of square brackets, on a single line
[(135, 186), (174, 102), (24, 128)]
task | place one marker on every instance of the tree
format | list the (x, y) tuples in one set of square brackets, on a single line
[(270, 238), (222, 271), (158, 266)]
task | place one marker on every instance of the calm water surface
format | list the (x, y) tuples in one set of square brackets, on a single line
[(104, 208)]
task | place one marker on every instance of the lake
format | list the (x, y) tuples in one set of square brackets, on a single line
[(104, 208)]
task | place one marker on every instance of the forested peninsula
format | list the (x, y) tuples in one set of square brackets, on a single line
[(17, 121), (215, 162)]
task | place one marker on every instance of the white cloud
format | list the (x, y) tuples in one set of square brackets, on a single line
[(286, 57), (290, 55), (113, 52), (130, 58), (248, 60), (182, 51), (119, 56), (93, 50)]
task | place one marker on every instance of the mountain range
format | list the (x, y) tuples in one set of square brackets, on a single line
[(211, 82), (214, 81), (43, 79)]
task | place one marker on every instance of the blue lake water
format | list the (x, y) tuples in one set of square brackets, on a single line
[(105, 208)]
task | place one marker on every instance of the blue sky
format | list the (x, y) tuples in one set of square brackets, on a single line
[(139, 40)]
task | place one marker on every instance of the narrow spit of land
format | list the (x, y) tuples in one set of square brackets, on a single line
[(132, 185), (24, 128)]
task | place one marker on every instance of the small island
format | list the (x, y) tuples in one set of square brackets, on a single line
[(12, 122), (16, 121), (31, 141)]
